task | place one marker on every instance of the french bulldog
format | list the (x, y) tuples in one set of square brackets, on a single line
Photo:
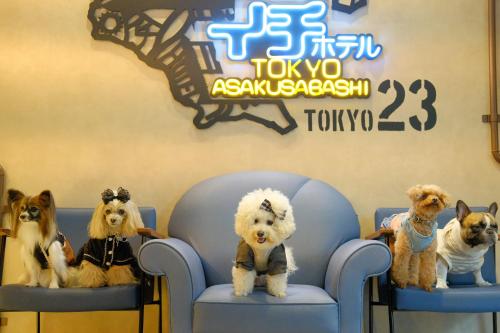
[(464, 241)]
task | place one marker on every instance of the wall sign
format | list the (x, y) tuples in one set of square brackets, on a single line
[(292, 54), (286, 45)]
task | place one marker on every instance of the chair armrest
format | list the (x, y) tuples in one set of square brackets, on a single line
[(149, 233), (182, 267), (349, 268)]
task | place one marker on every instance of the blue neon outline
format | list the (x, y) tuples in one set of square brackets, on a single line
[(238, 26), (328, 41), (377, 46), (350, 49), (355, 44), (320, 15)]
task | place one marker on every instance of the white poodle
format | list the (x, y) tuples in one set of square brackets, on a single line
[(263, 221)]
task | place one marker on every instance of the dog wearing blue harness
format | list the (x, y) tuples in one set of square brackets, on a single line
[(415, 247)]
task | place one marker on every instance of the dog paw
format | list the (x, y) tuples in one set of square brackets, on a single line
[(240, 293), (441, 285), (32, 284), (402, 285), (483, 283), (23, 279), (280, 294), (53, 285), (426, 288)]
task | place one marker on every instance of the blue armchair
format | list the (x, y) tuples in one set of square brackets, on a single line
[(463, 296), (73, 223), (324, 295)]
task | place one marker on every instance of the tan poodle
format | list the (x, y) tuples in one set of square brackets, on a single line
[(415, 246), (107, 257)]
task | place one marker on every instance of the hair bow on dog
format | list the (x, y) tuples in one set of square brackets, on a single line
[(266, 205), (122, 195)]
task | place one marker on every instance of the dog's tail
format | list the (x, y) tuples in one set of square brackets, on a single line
[(290, 260)]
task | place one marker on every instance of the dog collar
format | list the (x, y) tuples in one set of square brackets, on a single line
[(418, 219), (418, 242)]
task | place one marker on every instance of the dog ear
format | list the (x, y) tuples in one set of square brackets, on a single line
[(133, 220), (14, 196), (415, 192), (97, 225), (445, 197), (46, 199), (493, 209), (462, 211)]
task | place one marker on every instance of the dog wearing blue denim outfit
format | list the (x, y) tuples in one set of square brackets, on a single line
[(415, 247)]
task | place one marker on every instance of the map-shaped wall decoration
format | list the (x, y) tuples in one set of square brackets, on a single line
[(162, 42)]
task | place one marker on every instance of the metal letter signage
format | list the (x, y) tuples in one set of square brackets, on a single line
[(287, 46), (292, 53)]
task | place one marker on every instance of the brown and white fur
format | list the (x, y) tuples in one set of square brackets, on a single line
[(113, 218), (262, 231), (463, 243), (418, 269), (33, 223)]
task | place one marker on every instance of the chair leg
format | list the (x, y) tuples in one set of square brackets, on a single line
[(391, 320), (141, 304), (370, 305), (160, 307), (390, 308), (141, 318), (494, 322), (38, 322)]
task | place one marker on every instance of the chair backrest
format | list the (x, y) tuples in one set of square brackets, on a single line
[(444, 217), (73, 224), (204, 218)]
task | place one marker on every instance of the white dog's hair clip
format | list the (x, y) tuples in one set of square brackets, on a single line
[(122, 195), (266, 205)]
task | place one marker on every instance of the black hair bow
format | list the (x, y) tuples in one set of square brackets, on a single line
[(266, 205), (122, 195)]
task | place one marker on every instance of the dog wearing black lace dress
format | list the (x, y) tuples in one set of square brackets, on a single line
[(107, 257)]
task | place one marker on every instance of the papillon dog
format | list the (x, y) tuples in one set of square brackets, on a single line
[(33, 222), (107, 257)]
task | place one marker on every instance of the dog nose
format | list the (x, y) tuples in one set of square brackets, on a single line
[(434, 200), (113, 220), (260, 234)]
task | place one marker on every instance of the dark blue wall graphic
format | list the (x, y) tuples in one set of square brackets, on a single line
[(348, 6), (156, 30), (161, 42)]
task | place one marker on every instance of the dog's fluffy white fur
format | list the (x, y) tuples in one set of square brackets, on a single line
[(253, 225)]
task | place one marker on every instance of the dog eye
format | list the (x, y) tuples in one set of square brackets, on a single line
[(23, 207), (33, 209), (121, 211), (476, 228), (107, 211), (270, 222), (256, 221), (494, 226)]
